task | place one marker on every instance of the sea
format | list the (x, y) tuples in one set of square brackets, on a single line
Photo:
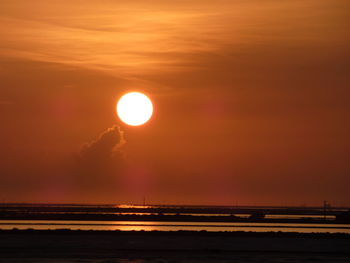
[(173, 226), (328, 225)]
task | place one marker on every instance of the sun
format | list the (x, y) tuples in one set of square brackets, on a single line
[(134, 108)]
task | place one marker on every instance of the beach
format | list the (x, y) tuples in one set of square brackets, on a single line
[(180, 246)]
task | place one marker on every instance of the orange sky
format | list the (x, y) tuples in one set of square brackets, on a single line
[(251, 98)]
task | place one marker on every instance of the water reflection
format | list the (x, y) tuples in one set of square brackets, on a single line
[(173, 226)]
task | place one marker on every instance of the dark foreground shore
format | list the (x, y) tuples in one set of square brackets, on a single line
[(181, 246)]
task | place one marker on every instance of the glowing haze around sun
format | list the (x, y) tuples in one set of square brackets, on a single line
[(134, 108)]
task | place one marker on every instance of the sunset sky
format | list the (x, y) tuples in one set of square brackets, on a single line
[(251, 101)]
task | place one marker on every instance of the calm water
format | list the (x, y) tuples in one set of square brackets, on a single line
[(173, 226)]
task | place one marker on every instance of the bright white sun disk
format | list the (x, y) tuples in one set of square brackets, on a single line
[(134, 108)]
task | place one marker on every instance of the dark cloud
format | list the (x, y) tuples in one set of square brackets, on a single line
[(105, 148), (100, 163)]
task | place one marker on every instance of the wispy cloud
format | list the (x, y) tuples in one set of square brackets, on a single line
[(5, 102), (143, 37), (122, 38)]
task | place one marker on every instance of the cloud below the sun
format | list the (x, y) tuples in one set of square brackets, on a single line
[(99, 164), (105, 147)]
